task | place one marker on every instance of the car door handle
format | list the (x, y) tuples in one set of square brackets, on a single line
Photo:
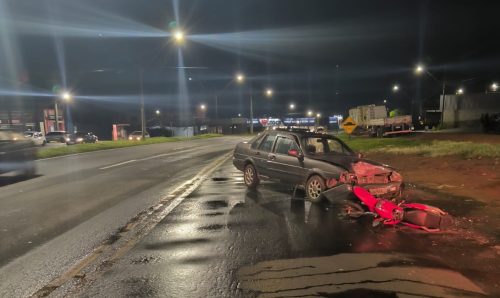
[(271, 157)]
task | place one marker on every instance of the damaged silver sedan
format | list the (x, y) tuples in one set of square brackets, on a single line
[(323, 165)]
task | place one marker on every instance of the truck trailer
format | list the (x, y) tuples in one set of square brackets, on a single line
[(374, 119)]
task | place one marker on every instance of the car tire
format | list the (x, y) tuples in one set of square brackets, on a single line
[(250, 176), (314, 189)]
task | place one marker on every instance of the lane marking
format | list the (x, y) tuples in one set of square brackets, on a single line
[(177, 151), (103, 256), (118, 164)]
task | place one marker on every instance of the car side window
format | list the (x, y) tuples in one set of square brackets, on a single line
[(256, 143), (335, 146), (283, 145), (267, 143)]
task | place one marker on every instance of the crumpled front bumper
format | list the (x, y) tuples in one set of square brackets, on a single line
[(343, 192)]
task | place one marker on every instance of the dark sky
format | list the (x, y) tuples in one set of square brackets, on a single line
[(321, 55)]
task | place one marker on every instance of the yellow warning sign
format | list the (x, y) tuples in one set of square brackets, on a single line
[(349, 125)]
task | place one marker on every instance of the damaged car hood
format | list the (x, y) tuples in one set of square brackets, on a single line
[(353, 163)]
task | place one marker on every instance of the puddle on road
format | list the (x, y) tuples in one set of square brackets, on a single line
[(220, 179), (213, 227), (374, 273), (216, 204)]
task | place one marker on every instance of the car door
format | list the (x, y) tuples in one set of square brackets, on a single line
[(260, 154), (283, 166)]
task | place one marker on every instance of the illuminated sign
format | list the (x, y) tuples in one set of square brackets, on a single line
[(335, 119), (308, 121)]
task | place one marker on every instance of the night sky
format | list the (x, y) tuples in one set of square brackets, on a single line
[(321, 55)]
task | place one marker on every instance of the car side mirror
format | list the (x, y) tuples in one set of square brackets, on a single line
[(296, 153), (360, 155)]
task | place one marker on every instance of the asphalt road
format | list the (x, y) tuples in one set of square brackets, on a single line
[(49, 222), (226, 241)]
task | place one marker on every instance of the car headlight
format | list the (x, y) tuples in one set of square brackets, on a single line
[(79, 139), (68, 139), (138, 138), (130, 138)]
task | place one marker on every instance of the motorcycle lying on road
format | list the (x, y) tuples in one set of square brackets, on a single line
[(413, 215)]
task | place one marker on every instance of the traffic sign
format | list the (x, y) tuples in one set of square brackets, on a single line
[(349, 125)]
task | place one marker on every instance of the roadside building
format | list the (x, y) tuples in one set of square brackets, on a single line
[(465, 110)]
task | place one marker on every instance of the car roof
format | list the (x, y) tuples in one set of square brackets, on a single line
[(300, 134)]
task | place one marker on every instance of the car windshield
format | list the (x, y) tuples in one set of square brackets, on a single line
[(325, 145)]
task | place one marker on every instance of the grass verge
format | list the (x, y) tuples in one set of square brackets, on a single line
[(422, 147), (105, 145)]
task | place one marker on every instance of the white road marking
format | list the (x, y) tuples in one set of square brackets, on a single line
[(147, 158), (118, 164)]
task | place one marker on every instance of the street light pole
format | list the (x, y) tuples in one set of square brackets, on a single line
[(57, 114), (216, 108), (251, 112), (442, 105), (142, 105)]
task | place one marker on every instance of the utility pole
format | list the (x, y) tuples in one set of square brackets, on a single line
[(216, 108), (251, 113), (56, 114), (143, 124)]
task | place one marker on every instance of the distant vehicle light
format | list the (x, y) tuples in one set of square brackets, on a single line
[(68, 139), (79, 139)]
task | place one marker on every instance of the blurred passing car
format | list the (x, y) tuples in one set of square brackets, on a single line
[(17, 154), (57, 136), (321, 164), (137, 135), (81, 137), (36, 137)]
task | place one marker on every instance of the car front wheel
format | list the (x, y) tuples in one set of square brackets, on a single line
[(314, 189), (250, 176)]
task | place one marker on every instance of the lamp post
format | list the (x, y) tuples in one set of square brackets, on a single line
[(419, 69), (65, 96)]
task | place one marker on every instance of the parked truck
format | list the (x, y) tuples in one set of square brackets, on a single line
[(375, 121)]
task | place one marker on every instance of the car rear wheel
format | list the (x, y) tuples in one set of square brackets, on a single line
[(250, 176), (314, 189)]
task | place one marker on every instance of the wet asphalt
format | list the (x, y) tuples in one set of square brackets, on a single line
[(50, 222), (226, 241)]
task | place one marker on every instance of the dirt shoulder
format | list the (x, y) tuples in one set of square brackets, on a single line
[(459, 137), (474, 178)]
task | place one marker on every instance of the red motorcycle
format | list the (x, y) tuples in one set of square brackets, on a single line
[(414, 215)]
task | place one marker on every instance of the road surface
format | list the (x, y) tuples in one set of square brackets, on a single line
[(213, 237), (49, 222), (226, 241)]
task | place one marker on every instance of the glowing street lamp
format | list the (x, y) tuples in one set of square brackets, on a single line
[(66, 96), (494, 87), (269, 92), (157, 112), (419, 69), (385, 100), (309, 113), (395, 88), (178, 36), (460, 91), (240, 78), (318, 115), (203, 107), (292, 106)]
